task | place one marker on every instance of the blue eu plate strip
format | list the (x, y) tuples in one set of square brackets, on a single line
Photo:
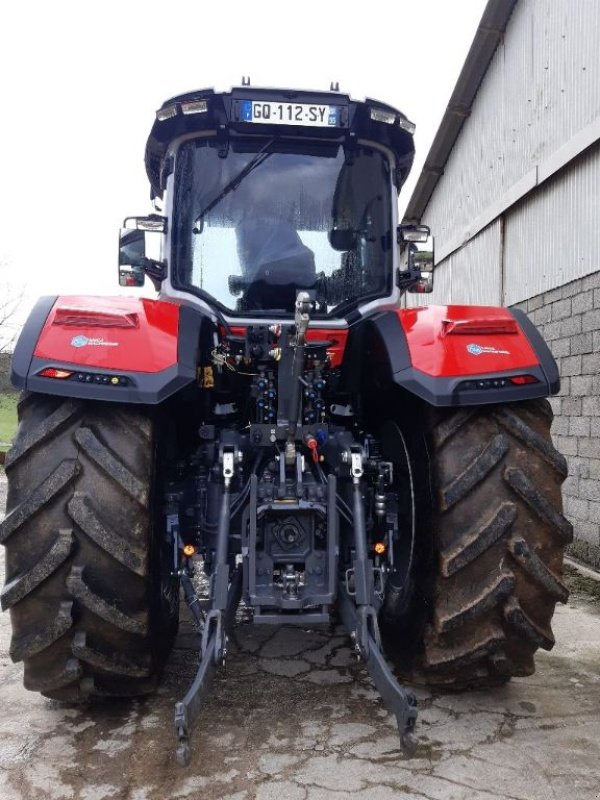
[(247, 111)]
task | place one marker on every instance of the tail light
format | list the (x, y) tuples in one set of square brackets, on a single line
[(51, 372), (523, 380)]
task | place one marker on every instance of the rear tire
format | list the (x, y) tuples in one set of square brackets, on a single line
[(498, 537), (92, 610)]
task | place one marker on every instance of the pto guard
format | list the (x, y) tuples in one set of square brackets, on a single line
[(132, 350), (465, 355)]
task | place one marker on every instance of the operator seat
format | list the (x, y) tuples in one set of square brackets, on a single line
[(275, 264)]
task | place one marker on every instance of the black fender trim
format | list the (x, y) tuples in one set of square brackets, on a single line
[(541, 349), (23, 353), (445, 392), (149, 388)]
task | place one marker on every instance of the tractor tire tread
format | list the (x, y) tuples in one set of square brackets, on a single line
[(113, 663), (111, 465), (476, 471), (478, 539), (537, 569), (469, 605), (101, 608), (21, 585), (499, 534), (539, 503), (47, 429), (86, 607), (29, 644), (43, 495), (88, 519), (518, 427), (51, 681)]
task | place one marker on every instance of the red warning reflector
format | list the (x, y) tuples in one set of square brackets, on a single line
[(312, 445), (51, 372), (522, 380)]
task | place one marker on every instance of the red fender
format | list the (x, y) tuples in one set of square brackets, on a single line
[(448, 341), (119, 333), (125, 349), (457, 355)]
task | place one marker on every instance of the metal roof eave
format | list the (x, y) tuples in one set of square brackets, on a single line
[(487, 38)]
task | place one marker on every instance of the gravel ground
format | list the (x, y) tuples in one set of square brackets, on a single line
[(295, 719)]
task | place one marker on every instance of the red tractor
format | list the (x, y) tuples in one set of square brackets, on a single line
[(278, 419)]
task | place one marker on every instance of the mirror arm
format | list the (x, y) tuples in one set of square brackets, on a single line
[(156, 270)]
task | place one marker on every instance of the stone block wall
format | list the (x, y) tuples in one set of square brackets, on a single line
[(569, 320)]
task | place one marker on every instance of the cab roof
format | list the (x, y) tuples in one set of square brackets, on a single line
[(205, 110)]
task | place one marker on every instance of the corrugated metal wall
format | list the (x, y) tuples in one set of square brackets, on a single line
[(542, 89), (553, 236), (471, 275)]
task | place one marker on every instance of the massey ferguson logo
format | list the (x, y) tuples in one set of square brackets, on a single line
[(477, 350), (85, 341)]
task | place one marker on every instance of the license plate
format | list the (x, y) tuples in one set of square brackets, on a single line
[(290, 114)]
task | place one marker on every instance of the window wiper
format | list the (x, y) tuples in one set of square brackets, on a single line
[(233, 184)]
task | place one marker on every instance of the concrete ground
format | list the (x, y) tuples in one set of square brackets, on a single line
[(296, 719)]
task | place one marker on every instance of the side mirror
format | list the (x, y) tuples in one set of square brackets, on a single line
[(417, 256), (237, 284), (132, 252), (342, 239), (134, 263), (422, 259)]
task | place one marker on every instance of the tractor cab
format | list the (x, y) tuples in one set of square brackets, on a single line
[(264, 193)]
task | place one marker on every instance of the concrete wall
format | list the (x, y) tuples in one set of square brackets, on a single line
[(569, 319)]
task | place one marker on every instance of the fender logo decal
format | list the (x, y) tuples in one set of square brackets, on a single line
[(477, 350), (85, 341)]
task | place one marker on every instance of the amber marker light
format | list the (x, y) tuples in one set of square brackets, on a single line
[(379, 548), (189, 550)]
